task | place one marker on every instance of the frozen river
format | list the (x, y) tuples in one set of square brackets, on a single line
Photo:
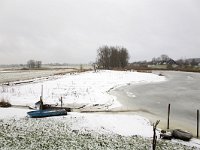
[(181, 90)]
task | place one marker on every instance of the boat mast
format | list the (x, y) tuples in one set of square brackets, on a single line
[(42, 92), (41, 98)]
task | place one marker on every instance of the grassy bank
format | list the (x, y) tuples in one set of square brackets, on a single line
[(54, 133)]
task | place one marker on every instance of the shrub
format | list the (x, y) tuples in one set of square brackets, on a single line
[(4, 103)]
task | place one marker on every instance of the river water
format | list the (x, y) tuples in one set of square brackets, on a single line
[(181, 90)]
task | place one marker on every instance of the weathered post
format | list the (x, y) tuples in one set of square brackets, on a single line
[(94, 66), (154, 135), (168, 116), (41, 98), (61, 101), (197, 123)]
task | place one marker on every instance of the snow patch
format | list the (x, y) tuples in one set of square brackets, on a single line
[(8, 113), (126, 125)]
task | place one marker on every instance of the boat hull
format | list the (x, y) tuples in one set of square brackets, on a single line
[(47, 113)]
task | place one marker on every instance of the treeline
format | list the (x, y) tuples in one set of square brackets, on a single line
[(112, 57), (164, 62)]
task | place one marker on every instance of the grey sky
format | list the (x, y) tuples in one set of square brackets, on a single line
[(72, 30)]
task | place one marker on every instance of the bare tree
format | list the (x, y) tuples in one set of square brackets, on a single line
[(103, 57), (31, 64), (38, 64), (114, 58), (124, 57), (154, 61), (180, 62), (193, 63)]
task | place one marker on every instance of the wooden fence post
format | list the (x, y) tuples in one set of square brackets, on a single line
[(61, 101), (168, 116), (154, 135), (197, 123)]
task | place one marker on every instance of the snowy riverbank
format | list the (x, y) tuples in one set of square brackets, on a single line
[(88, 88), (78, 130)]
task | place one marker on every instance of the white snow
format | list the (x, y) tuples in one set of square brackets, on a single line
[(192, 143), (125, 125), (87, 88), (84, 89), (8, 113)]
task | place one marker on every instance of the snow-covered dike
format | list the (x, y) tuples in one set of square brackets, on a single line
[(86, 88), (126, 125), (80, 131)]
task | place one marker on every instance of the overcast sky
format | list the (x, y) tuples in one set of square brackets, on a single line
[(71, 31)]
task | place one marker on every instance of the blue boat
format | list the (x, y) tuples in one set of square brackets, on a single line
[(47, 113)]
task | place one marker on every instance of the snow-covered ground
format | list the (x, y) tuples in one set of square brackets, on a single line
[(87, 88), (16, 124), (125, 125), (9, 113)]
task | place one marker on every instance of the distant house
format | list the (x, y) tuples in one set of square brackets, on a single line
[(164, 64), (171, 62)]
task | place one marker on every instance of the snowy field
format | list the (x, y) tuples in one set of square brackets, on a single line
[(79, 130), (89, 88)]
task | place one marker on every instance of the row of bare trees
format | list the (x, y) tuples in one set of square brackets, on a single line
[(112, 57)]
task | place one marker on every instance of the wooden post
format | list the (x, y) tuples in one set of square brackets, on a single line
[(168, 116), (61, 101), (154, 135), (41, 98), (197, 123)]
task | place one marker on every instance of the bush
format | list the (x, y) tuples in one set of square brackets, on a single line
[(4, 103)]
